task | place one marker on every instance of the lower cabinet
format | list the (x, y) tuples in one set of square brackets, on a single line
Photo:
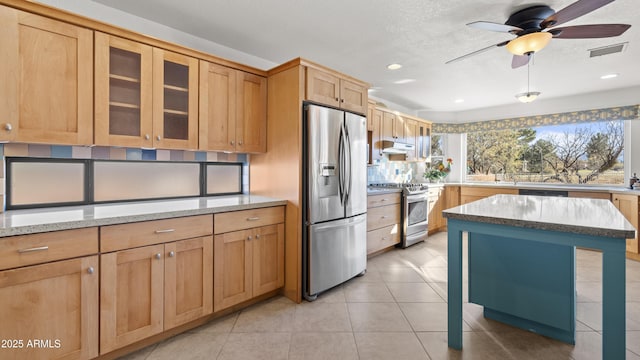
[(628, 206), (49, 295), (383, 221), (55, 305), (435, 207), (149, 289), (247, 263)]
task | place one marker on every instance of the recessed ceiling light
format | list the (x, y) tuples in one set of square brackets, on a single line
[(608, 76), (404, 81), (394, 66), (458, 101)]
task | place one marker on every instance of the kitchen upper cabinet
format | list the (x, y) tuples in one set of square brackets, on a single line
[(46, 81), (330, 89), (233, 110), (123, 94), (628, 206), (145, 97), (410, 137), (423, 141), (389, 127)]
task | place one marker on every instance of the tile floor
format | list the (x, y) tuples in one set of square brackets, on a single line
[(397, 310)]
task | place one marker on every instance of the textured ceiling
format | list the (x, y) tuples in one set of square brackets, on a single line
[(361, 37)]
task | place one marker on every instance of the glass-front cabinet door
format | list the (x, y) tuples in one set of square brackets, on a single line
[(145, 97), (123, 110), (175, 100)]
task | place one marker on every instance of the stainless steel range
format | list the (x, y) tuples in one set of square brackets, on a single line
[(415, 212)]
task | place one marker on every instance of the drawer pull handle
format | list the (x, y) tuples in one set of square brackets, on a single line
[(254, 218), (41, 248), (384, 216), (165, 231), (90, 270), (384, 238), (385, 199)]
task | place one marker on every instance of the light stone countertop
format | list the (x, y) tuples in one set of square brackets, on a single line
[(20, 222), (543, 186), (596, 217)]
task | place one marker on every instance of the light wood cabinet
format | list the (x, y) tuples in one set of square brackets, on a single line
[(54, 298), (383, 221), (389, 127), (47, 80), (188, 280), (473, 193), (330, 89), (423, 141), (233, 109), (131, 296), (628, 206), (162, 284), (435, 207), (145, 96), (411, 137), (123, 92), (589, 194), (451, 197), (247, 262)]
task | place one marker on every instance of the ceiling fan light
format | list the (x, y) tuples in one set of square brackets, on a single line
[(529, 43), (528, 96)]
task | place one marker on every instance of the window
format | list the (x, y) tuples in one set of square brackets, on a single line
[(583, 153)]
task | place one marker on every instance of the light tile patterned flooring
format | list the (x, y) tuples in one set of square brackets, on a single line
[(398, 311)]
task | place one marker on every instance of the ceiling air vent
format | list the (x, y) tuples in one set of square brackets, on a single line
[(606, 50)]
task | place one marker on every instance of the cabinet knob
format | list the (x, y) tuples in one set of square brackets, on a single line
[(158, 256), (147, 137), (258, 236), (90, 270), (342, 100), (240, 142), (233, 142), (248, 237), (8, 127), (337, 99), (384, 216), (172, 253), (384, 238), (158, 137)]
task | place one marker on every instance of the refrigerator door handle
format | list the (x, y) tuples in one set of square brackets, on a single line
[(348, 165), (341, 165)]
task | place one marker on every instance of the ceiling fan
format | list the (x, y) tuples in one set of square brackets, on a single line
[(534, 27)]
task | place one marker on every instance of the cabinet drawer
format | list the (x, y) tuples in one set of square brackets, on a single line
[(246, 219), (382, 216), (382, 200), (383, 238), (126, 236), (16, 251)]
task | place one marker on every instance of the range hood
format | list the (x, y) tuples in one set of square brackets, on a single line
[(393, 147)]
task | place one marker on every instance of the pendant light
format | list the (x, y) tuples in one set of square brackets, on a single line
[(528, 96)]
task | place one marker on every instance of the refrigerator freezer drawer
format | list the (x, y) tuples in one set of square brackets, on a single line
[(337, 252)]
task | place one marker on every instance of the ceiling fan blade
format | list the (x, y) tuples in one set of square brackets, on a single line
[(491, 26), (478, 52), (519, 60), (589, 31), (575, 10)]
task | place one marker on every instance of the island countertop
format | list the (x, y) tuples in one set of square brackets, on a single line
[(20, 222), (576, 215)]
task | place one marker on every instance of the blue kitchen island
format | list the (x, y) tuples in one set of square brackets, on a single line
[(521, 261)]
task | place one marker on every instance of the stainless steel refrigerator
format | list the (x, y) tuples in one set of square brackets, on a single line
[(335, 198)]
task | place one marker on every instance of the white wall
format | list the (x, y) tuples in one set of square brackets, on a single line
[(597, 100), (631, 148), (125, 20)]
